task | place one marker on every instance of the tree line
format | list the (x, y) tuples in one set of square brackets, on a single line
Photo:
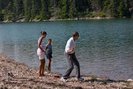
[(29, 10)]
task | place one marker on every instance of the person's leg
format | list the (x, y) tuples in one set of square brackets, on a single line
[(49, 65), (42, 67), (69, 70), (77, 65)]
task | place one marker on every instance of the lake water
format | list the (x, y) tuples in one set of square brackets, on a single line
[(105, 47)]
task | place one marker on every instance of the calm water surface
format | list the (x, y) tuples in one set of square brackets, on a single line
[(105, 47)]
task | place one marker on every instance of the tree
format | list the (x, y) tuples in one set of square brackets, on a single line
[(72, 9), (33, 10), (1, 15), (18, 9), (27, 9), (64, 8), (121, 9), (127, 12), (45, 9)]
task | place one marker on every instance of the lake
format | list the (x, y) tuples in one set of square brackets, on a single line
[(105, 47)]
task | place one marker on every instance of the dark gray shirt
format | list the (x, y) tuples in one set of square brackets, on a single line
[(49, 49)]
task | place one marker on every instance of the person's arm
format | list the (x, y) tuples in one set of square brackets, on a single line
[(46, 47), (70, 50), (39, 45)]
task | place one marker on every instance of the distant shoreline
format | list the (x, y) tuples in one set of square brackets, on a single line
[(68, 19), (54, 19)]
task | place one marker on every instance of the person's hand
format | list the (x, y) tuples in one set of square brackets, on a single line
[(45, 52), (70, 51)]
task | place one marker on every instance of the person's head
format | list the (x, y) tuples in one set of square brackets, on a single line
[(49, 41), (75, 35), (43, 33)]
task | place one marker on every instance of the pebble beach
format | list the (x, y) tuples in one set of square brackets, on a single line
[(14, 75)]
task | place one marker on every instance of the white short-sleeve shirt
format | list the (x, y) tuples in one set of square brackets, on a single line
[(70, 45)]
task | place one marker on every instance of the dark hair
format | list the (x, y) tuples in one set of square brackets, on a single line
[(49, 39), (43, 33), (75, 34)]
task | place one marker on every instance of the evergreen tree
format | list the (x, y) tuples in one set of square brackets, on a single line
[(45, 9), (38, 9), (16, 7), (121, 9), (100, 3), (33, 10), (9, 11), (72, 10), (27, 10), (1, 15), (113, 8), (43, 15), (127, 12), (64, 8)]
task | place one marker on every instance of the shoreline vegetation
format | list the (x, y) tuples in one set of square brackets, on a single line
[(14, 75), (51, 10), (54, 19)]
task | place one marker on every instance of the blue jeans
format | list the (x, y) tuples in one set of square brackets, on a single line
[(72, 60)]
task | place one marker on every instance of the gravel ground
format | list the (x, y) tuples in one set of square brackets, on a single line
[(14, 75)]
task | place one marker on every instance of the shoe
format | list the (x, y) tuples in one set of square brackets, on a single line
[(80, 79), (47, 73), (63, 79)]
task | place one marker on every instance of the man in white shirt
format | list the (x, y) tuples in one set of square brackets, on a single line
[(72, 60)]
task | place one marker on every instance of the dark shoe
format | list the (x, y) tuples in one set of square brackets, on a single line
[(80, 79)]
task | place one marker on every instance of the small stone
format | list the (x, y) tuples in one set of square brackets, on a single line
[(130, 80)]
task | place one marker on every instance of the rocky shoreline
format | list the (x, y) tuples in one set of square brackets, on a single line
[(14, 75), (55, 19)]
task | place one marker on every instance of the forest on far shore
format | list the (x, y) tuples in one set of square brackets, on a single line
[(39, 10)]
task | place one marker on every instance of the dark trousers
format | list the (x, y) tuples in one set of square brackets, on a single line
[(72, 60)]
